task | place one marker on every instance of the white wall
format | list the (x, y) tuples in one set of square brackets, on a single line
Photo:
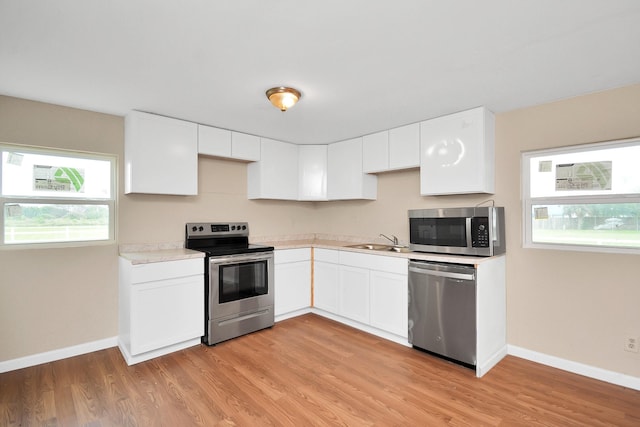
[(55, 298)]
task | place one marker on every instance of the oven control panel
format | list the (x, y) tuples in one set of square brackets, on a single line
[(212, 229)]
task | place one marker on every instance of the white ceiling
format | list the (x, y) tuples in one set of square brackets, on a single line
[(361, 65)]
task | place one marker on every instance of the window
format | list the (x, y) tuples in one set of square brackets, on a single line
[(55, 197), (583, 197)]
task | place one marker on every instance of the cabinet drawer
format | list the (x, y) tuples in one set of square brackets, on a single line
[(282, 256), (374, 262), (141, 273), (326, 255)]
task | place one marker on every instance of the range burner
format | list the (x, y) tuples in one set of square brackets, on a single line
[(219, 239)]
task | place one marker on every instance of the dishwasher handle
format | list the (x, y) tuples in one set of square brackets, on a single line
[(439, 273)]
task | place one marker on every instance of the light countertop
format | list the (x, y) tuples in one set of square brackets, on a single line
[(344, 246), (160, 255), (148, 253)]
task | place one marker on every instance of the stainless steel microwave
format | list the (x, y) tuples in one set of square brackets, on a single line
[(475, 231)]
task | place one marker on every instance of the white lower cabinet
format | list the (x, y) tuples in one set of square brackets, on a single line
[(292, 275), (389, 302), (366, 291), (354, 293), (161, 307), (326, 280)]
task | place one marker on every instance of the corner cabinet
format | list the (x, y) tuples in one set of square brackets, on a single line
[(161, 307), (312, 172), (275, 176), (160, 155), (292, 275), (457, 153)]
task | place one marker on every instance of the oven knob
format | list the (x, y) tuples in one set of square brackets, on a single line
[(194, 228), (233, 227), (201, 228), (244, 227)]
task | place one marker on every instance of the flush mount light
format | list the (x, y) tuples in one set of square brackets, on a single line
[(283, 98)]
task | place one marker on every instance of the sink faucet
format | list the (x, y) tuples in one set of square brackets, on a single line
[(394, 240)]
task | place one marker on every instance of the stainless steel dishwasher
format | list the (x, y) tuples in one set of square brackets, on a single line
[(442, 309)]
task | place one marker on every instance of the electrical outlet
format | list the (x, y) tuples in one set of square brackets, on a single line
[(631, 344)]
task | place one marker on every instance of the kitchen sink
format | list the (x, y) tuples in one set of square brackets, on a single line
[(379, 247)]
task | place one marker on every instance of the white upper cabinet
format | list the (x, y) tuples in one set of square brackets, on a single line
[(312, 172), (160, 154), (457, 153), (395, 149), (275, 176), (245, 147), (404, 147), (225, 143), (346, 179), (213, 141), (375, 152)]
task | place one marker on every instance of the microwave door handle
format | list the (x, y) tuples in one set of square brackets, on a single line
[(468, 231)]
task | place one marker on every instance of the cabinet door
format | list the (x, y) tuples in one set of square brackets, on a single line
[(245, 147), (326, 286), (389, 299), (346, 180), (404, 147), (292, 286), (275, 176), (166, 312), (354, 293), (161, 155), (312, 172), (213, 141), (456, 153), (375, 152)]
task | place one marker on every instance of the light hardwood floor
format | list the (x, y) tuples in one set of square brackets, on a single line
[(305, 371)]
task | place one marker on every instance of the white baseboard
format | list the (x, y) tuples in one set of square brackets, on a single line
[(289, 315), (53, 355), (576, 367), (366, 328), (152, 354), (483, 368), (544, 359)]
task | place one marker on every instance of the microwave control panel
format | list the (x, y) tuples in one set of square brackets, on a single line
[(480, 232)]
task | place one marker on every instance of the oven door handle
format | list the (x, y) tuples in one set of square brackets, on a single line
[(234, 259)]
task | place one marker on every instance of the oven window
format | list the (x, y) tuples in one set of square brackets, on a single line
[(244, 280), (439, 231)]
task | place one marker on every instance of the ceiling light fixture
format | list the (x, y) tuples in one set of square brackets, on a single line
[(283, 98)]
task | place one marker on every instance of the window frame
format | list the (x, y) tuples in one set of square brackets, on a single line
[(110, 202), (528, 202)]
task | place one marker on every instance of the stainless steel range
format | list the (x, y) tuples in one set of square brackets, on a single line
[(238, 279)]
